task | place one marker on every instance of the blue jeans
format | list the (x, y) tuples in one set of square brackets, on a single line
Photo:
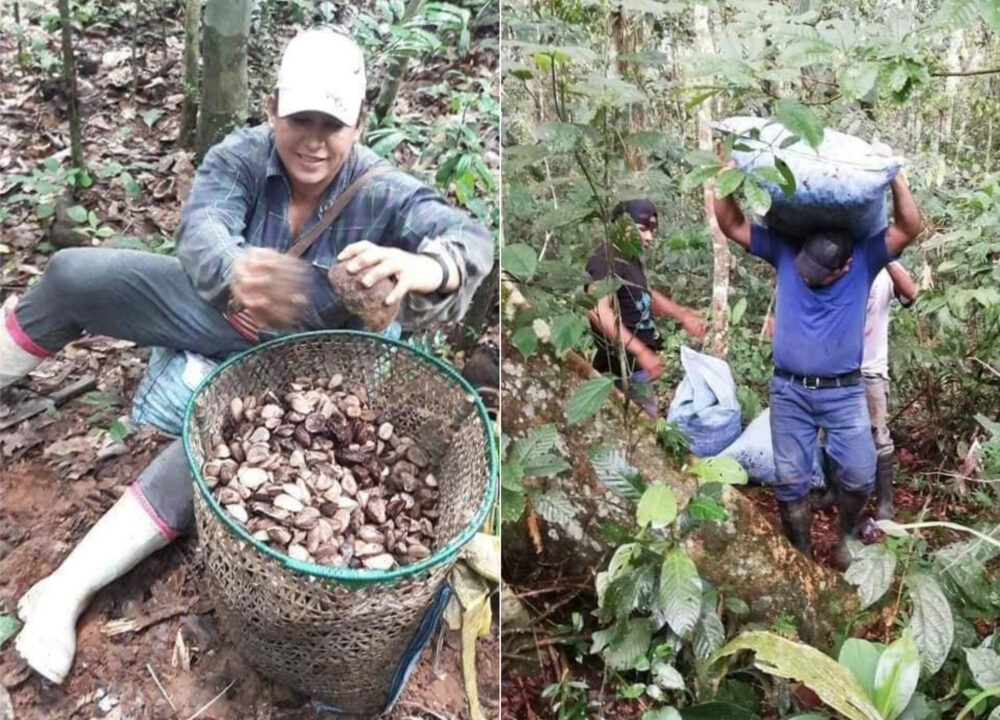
[(642, 392), (797, 413)]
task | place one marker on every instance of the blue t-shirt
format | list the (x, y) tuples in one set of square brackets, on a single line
[(820, 331)]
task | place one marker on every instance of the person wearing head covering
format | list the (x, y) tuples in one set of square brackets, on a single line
[(232, 285), (823, 283), (633, 326)]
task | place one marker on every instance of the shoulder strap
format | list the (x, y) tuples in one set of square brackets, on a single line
[(305, 241)]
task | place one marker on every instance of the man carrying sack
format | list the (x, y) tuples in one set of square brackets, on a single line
[(823, 283)]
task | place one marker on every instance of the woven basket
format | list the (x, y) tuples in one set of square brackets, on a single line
[(340, 635)]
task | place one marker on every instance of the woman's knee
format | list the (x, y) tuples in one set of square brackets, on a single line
[(68, 273)]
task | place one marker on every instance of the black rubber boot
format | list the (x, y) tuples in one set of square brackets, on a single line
[(796, 521), (883, 487), (849, 507), (827, 499)]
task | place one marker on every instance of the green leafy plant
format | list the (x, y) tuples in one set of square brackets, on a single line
[(45, 185), (868, 681)]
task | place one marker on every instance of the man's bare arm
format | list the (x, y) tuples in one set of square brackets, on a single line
[(692, 322), (603, 318), (902, 283), (731, 221), (907, 224)]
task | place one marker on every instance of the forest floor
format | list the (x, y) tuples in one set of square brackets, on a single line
[(63, 468), (546, 593)]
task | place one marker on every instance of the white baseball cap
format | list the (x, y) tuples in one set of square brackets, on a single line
[(322, 70)]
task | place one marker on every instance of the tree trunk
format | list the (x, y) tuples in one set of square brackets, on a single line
[(69, 76), (395, 71), (743, 556), (192, 54), (954, 63), (720, 244), (224, 84), (135, 51)]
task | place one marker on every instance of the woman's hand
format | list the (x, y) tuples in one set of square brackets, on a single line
[(412, 272), (271, 286)]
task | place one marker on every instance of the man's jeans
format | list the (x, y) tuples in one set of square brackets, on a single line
[(797, 414), (642, 392)]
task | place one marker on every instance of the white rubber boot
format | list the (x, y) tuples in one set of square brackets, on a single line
[(15, 361), (118, 542)]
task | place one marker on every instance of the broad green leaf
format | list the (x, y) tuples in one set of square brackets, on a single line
[(561, 53), (931, 624), (546, 466), (518, 70), (705, 509), (525, 340), (699, 175), (567, 331), (512, 504), (560, 137), (9, 627), (736, 605), (834, 684), (728, 182), (709, 634), (788, 177), (679, 600), (800, 120), (77, 213), (666, 676), (622, 650), (861, 658), (609, 91), (615, 472), (758, 198), (896, 676), (151, 117), (511, 474), (737, 312), (657, 507), (132, 188), (555, 506), (587, 399), (720, 469), (619, 563), (519, 260), (859, 80), (621, 595), (44, 210), (647, 140), (872, 572), (769, 174), (984, 664), (538, 441)]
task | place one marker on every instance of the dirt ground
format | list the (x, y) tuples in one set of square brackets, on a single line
[(43, 516)]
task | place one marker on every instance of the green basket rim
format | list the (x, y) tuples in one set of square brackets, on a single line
[(349, 575)]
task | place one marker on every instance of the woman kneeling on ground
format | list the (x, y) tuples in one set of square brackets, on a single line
[(256, 193)]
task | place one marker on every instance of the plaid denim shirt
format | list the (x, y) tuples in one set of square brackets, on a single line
[(240, 199)]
